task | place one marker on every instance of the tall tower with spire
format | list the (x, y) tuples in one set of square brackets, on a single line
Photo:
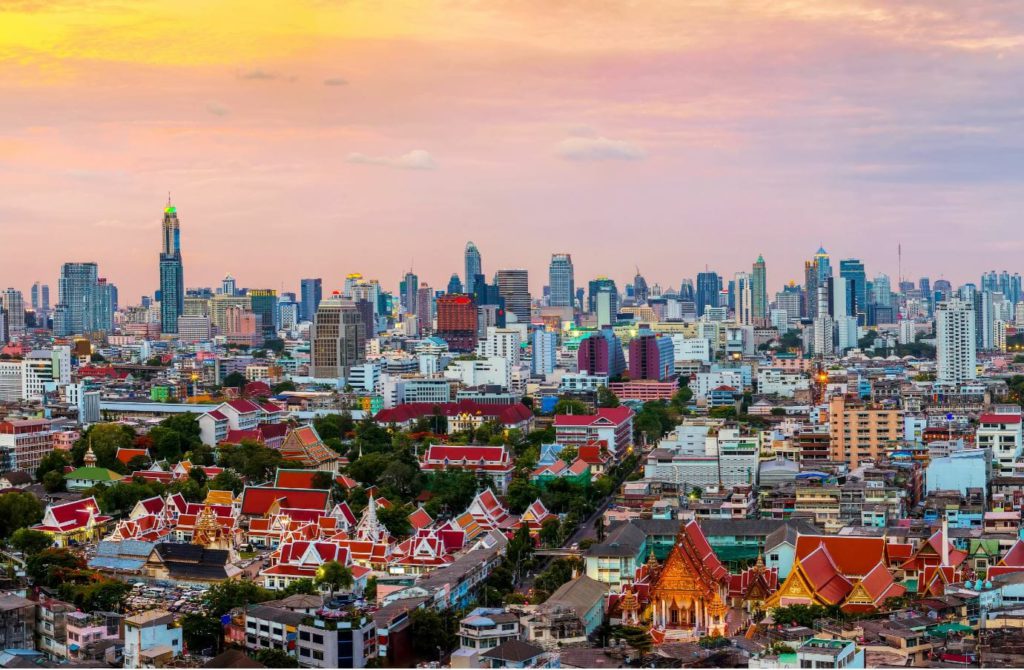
[(172, 282)]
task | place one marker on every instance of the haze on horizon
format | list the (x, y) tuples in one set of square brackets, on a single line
[(345, 137)]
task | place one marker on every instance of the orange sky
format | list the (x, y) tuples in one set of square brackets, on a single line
[(333, 137)]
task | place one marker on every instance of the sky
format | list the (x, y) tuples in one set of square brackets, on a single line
[(316, 138)]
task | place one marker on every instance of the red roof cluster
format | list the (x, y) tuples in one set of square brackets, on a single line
[(614, 415)]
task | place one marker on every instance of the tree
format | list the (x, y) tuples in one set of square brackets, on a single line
[(29, 541), (299, 586), (105, 439), (396, 519), (198, 475), (431, 637), (251, 459), (334, 426), (54, 481), (235, 380), (605, 397), (51, 566), (550, 532), (54, 461), (228, 594), (91, 592), (137, 463), (18, 510), (334, 576), (227, 480), (521, 494), (201, 633), (636, 637), (281, 387), (567, 405), (322, 480), (275, 658)]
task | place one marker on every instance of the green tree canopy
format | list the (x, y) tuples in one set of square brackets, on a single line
[(18, 510)]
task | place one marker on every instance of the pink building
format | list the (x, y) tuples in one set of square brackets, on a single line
[(612, 425), (242, 327), (65, 439)]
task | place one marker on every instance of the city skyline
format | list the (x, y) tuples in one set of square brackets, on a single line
[(855, 124)]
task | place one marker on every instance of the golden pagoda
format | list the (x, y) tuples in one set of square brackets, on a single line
[(209, 532)]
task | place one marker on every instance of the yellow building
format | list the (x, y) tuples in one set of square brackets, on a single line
[(861, 432)]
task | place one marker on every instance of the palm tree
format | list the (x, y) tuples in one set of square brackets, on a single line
[(335, 576)]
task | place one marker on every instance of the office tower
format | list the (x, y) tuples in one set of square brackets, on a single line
[(41, 300), (228, 286), (338, 338), (454, 284), (561, 280), (264, 305), (984, 319), (651, 356), (881, 291), (686, 292), (956, 345), (789, 299), (602, 284), (601, 354), (424, 309), (407, 289), (4, 339), (606, 311), (288, 312), (311, 292), (709, 285), (839, 303), (730, 297), (172, 282), (744, 297), (810, 302), (943, 290), (106, 305), (640, 290), (514, 287), (457, 321), (824, 327), (13, 302), (77, 292), (544, 352), (474, 266), (759, 292), (822, 265)]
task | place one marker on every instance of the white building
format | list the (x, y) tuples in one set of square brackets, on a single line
[(1003, 435), (706, 381), (955, 341), (691, 348), (151, 639), (503, 342), (773, 381), (545, 349), (491, 370)]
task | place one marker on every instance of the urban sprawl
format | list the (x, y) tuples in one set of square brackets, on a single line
[(471, 475)]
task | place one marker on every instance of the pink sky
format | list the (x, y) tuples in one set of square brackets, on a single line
[(346, 137)]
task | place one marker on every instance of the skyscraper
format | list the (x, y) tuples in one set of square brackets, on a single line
[(407, 289), (852, 270), (311, 292), (172, 281), (264, 305), (474, 265), (759, 292), (12, 301), (78, 291), (514, 287), (228, 286), (957, 357), (561, 280), (425, 309), (454, 284), (709, 285), (457, 320), (744, 298), (823, 265), (41, 298), (338, 338), (640, 290)]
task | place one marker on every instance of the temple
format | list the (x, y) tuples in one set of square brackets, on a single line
[(691, 589)]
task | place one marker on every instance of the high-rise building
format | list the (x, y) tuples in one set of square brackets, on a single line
[(172, 281), (41, 299), (743, 298), (106, 305), (311, 292), (407, 288), (956, 344), (78, 291), (544, 348), (601, 354), (264, 305), (425, 309), (789, 299), (759, 292), (640, 290), (457, 321), (13, 302), (338, 338), (810, 295), (602, 285), (474, 266), (651, 356), (852, 270), (561, 280), (709, 286), (454, 284), (514, 287), (823, 265), (228, 286)]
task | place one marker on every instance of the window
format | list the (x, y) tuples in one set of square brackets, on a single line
[(317, 638), (318, 655), (304, 635), (304, 652)]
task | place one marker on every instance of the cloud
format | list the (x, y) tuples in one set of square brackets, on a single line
[(335, 81), (217, 109), (590, 147), (259, 74), (417, 159)]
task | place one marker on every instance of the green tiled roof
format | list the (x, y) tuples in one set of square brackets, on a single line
[(94, 474)]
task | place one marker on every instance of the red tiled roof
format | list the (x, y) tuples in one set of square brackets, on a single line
[(824, 575), (853, 556), (999, 418), (615, 415), (256, 500), (125, 455), (214, 414), (420, 519), (243, 406), (506, 414)]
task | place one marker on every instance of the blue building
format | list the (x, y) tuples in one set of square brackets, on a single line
[(172, 281)]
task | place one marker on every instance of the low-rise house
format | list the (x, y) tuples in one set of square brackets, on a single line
[(151, 639), (483, 629), (495, 462), (17, 622), (614, 561)]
